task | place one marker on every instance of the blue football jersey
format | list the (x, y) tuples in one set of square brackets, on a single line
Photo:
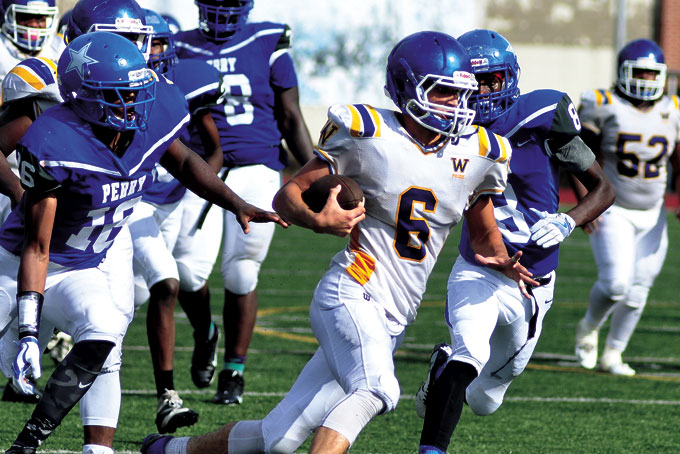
[(533, 182), (253, 63), (199, 83), (95, 189)]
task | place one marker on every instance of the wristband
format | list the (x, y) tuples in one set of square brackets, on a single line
[(29, 308)]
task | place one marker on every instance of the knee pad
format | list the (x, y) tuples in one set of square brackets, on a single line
[(481, 402), (612, 289), (353, 413), (246, 436), (240, 276), (189, 281), (637, 296), (388, 391), (113, 361)]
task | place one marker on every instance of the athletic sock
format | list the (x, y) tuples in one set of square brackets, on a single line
[(165, 379), (445, 404), (236, 363)]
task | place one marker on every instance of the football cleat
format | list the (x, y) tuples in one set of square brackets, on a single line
[(229, 388), (12, 394), (18, 448), (612, 363), (204, 360), (586, 345), (155, 443), (440, 354), (171, 414), (59, 346)]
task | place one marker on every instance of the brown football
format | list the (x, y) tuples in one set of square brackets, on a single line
[(317, 194)]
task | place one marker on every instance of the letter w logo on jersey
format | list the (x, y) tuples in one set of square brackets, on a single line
[(459, 165)]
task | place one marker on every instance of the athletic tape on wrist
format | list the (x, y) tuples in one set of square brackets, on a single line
[(29, 308)]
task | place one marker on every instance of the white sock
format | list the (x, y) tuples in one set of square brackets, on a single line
[(177, 445), (97, 449)]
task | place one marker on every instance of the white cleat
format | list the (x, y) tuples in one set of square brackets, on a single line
[(586, 345), (612, 363)]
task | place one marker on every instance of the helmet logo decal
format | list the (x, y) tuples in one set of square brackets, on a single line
[(80, 60), (479, 62)]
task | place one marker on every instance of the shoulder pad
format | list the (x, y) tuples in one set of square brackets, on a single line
[(360, 120), (493, 146), (598, 97), (285, 39)]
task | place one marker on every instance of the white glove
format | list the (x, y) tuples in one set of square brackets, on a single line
[(26, 365), (552, 228)]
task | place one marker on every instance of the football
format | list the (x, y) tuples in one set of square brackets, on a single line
[(317, 194)]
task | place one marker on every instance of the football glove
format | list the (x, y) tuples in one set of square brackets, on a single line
[(552, 228), (26, 365)]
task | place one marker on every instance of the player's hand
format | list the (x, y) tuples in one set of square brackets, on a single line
[(26, 365), (334, 220), (511, 267), (552, 228), (250, 213), (592, 226)]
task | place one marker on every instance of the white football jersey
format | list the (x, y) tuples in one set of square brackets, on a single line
[(413, 198), (11, 55), (635, 144)]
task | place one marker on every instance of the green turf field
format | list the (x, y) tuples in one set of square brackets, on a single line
[(554, 407)]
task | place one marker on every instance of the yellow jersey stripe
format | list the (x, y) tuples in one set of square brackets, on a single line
[(28, 77)]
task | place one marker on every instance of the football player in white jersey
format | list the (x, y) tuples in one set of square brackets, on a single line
[(634, 129), (421, 170), (29, 29)]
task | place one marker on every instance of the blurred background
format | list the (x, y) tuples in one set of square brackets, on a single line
[(340, 47)]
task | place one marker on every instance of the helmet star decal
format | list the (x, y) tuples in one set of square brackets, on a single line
[(80, 60)]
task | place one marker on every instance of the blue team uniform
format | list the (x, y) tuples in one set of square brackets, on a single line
[(96, 190), (254, 63), (200, 85), (531, 120)]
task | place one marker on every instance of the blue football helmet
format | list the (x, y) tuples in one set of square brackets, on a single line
[(123, 17), (162, 62), (419, 63), (491, 53), (173, 24), (218, 20), (98, 74), (641, 55), (28, 38)]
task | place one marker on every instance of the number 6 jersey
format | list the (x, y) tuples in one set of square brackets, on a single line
[(413, 198), (635, 144)]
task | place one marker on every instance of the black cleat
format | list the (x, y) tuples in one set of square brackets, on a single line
[(12, 394), (171, 414), (204, 360), (439, 357), (229, 388), (18, 448)]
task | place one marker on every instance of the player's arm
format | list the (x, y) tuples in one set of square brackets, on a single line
[(194, 173), (14, 126), (210, 136), (675, 164), (332, 219), (487, 242), (292, 124)]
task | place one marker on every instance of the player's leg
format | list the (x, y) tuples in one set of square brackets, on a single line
[(154, 231), (358, 341), (96, 325), (472, 312), (283, 430), (512, 344), (614, 275), (242, 256), (650, 252), (195, 252)]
